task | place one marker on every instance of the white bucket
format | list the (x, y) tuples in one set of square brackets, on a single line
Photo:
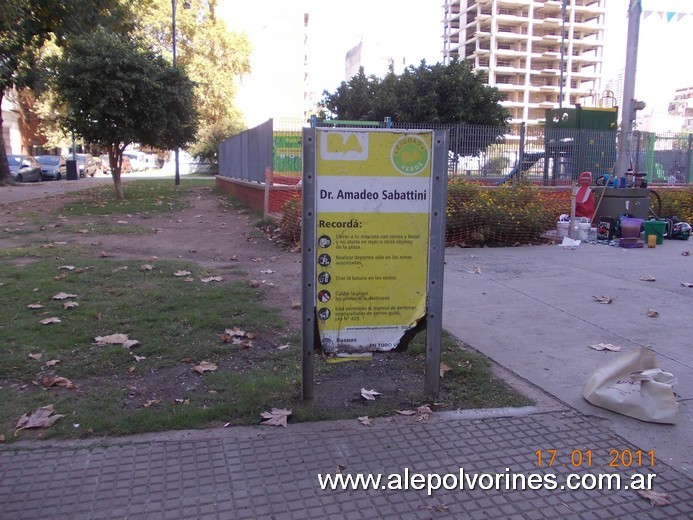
[(583, 229), (562, 229)]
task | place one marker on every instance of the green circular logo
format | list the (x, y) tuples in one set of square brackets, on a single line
[(410, 154)]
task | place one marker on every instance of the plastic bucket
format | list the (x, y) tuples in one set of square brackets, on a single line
[(562, 229), (583, 229), (630, 227), (657, 228)]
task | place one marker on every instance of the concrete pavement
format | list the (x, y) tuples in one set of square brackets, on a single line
[(529, 308), (532, 310), (273, 473)]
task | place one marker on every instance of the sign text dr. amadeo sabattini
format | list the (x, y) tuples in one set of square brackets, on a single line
[(373, 192)]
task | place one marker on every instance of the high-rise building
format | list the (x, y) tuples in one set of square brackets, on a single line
[(541, 54), (682, 108)]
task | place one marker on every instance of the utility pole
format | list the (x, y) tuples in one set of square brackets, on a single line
[(560, 87), (186, 5), (624, 145)]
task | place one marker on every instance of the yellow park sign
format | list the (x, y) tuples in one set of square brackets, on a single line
[(372, 239), (373, 193)]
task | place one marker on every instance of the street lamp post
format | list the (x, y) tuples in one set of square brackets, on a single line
[(186, 5), (560, 87)]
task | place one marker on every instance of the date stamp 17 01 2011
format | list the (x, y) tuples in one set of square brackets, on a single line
[(586, 458)]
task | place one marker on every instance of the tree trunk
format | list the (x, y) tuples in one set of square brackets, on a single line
[(5, 178), (115, 158), (120, 194)]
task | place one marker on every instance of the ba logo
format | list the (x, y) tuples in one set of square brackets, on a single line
[(344, 146), (410, 154)]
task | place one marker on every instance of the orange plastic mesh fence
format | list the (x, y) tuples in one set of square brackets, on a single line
[(499, 215)]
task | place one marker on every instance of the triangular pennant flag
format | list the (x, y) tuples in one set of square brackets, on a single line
[(670, 16)]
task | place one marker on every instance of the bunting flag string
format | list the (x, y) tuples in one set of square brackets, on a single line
[(669, 10)]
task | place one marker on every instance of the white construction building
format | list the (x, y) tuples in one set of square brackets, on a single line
[(541, 53)]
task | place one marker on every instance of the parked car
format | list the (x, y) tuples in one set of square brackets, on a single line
[(52, 166), (126, 166), (86, 165), (105, 165), (24, 168), (135, 160)]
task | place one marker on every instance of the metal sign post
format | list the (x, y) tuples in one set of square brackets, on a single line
[(373, 232)]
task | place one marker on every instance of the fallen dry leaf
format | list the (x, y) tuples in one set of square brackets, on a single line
[(146, 267), (651, 313), (277, 417), (369, 395), (52, 363), (151, 402), (425, 409), (686, 253), (605, 346), (234, 258), (139, 358), (604, 299), (475, 270), (212, 279), (48, 321), (687, 284), (444, 368), (295, 304), (63, 296), (36, 356), (340, 468), (67, 267), (365, 420), (121, 268), (205, 366), (181, 273), (131, 369), (267, 271), (131, 343), (406, 412), (282, 347), (63, 382), (655, 498), (648, 278), (254, 283), (70, 305), (60, 276), (2, 439), (34, 306), (44, 417), (111, 339)]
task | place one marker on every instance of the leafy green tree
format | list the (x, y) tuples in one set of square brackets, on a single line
[(213, 57), (119, 93), (210, 135), (450, 94), (25, 25)]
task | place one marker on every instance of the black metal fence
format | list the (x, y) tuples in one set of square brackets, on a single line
[(491, 155)]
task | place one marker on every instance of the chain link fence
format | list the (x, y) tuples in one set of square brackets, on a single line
[(484, 162)]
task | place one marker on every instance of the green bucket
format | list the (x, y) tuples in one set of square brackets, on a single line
[(657, 228)]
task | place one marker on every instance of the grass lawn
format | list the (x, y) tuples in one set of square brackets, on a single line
[(180, 321)]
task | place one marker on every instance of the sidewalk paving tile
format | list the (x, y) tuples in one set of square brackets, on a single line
[(273, 473)]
